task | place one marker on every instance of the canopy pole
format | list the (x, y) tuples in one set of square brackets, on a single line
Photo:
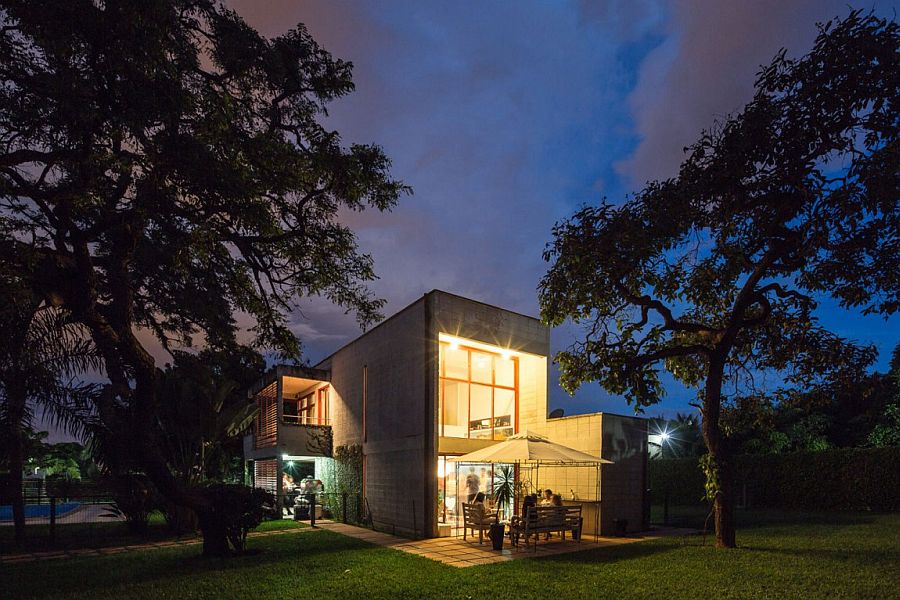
[(599, 507), (457, 506)]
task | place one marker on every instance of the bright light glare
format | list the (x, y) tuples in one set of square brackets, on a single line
[(664, 436), (506, 355), (454, 346)]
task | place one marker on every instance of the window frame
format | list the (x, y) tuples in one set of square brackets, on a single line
[(442, 378)]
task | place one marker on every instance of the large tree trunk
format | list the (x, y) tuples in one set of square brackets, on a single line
[(133, 375), (212, 528), (723, 502), (14, 486), (15, 414), (723, 505), (215, 539)]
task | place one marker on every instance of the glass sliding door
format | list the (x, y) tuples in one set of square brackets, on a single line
[(461, 482)]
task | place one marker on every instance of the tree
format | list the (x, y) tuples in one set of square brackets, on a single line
[(887, 431), (713, 275), (841, 416), (42, 354), (163, 168), (204, 411)]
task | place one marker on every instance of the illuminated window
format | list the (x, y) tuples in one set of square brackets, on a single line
[(478, 392), (309, 409)]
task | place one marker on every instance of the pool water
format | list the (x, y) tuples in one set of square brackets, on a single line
[(38, 510)]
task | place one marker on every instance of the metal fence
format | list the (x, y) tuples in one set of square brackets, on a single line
[(343, 507), (66, 522), (90, 521)]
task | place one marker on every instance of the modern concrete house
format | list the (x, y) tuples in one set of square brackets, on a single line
[(443, 377)]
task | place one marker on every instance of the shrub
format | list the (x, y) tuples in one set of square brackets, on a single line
[(837, 479), (238, 508), (133, 501)]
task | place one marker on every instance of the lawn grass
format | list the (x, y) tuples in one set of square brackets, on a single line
[(794, 556), (104, 535)]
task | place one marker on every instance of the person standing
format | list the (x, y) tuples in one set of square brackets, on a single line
[(473, 485)]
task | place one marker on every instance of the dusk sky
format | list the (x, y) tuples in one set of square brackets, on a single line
[(506, 116)]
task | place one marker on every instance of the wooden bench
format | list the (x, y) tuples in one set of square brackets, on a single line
[(550, 519), (477, 518)]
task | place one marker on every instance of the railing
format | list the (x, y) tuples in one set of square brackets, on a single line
[(305, 420), (343, 507), (337, 506)]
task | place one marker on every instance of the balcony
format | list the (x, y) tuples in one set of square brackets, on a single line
[(303, 420), (294, 404)]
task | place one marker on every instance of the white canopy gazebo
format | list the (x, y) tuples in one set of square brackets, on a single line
[(532, 451)]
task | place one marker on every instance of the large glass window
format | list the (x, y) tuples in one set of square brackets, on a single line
[(459, 482), (478, 393)]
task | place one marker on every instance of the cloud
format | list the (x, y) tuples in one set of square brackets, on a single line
[(705, 69), (493, 113), (506, 116)]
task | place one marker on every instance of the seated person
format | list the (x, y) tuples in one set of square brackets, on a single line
[(555, 500), (547, 498), (517, 523), (481, 509), (482, 515)]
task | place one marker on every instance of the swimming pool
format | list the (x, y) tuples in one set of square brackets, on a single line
[(38, 510)]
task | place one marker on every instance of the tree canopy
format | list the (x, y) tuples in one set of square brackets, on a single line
[(715, 274), (164, 167)]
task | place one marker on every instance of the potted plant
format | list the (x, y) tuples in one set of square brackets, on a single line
[(504, 496), (504, 489)]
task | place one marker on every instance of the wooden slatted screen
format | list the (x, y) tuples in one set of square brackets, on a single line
[(265, 475), (266, 424)]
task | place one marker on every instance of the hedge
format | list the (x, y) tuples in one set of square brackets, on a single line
[(840, 479)]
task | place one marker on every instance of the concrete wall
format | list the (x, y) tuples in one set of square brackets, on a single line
[(581, 432), (473, 320), (395, 445), (624, 484), (293, 440)]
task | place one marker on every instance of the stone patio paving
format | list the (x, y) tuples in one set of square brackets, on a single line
[(459, 553)]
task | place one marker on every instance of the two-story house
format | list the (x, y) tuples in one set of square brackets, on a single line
[(443, 377)]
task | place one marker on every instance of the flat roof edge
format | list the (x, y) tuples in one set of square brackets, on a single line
[(272, 375), (489, 305), (596, 413)]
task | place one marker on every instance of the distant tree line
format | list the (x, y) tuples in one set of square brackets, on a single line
[(859, 414)]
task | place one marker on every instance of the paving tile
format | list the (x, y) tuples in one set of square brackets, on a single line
[(459, 564), (24, 559), (50, 553)]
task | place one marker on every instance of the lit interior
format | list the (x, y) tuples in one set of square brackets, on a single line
[(478, 392)]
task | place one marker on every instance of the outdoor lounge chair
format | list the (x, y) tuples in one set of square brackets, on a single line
[(478, 519)]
